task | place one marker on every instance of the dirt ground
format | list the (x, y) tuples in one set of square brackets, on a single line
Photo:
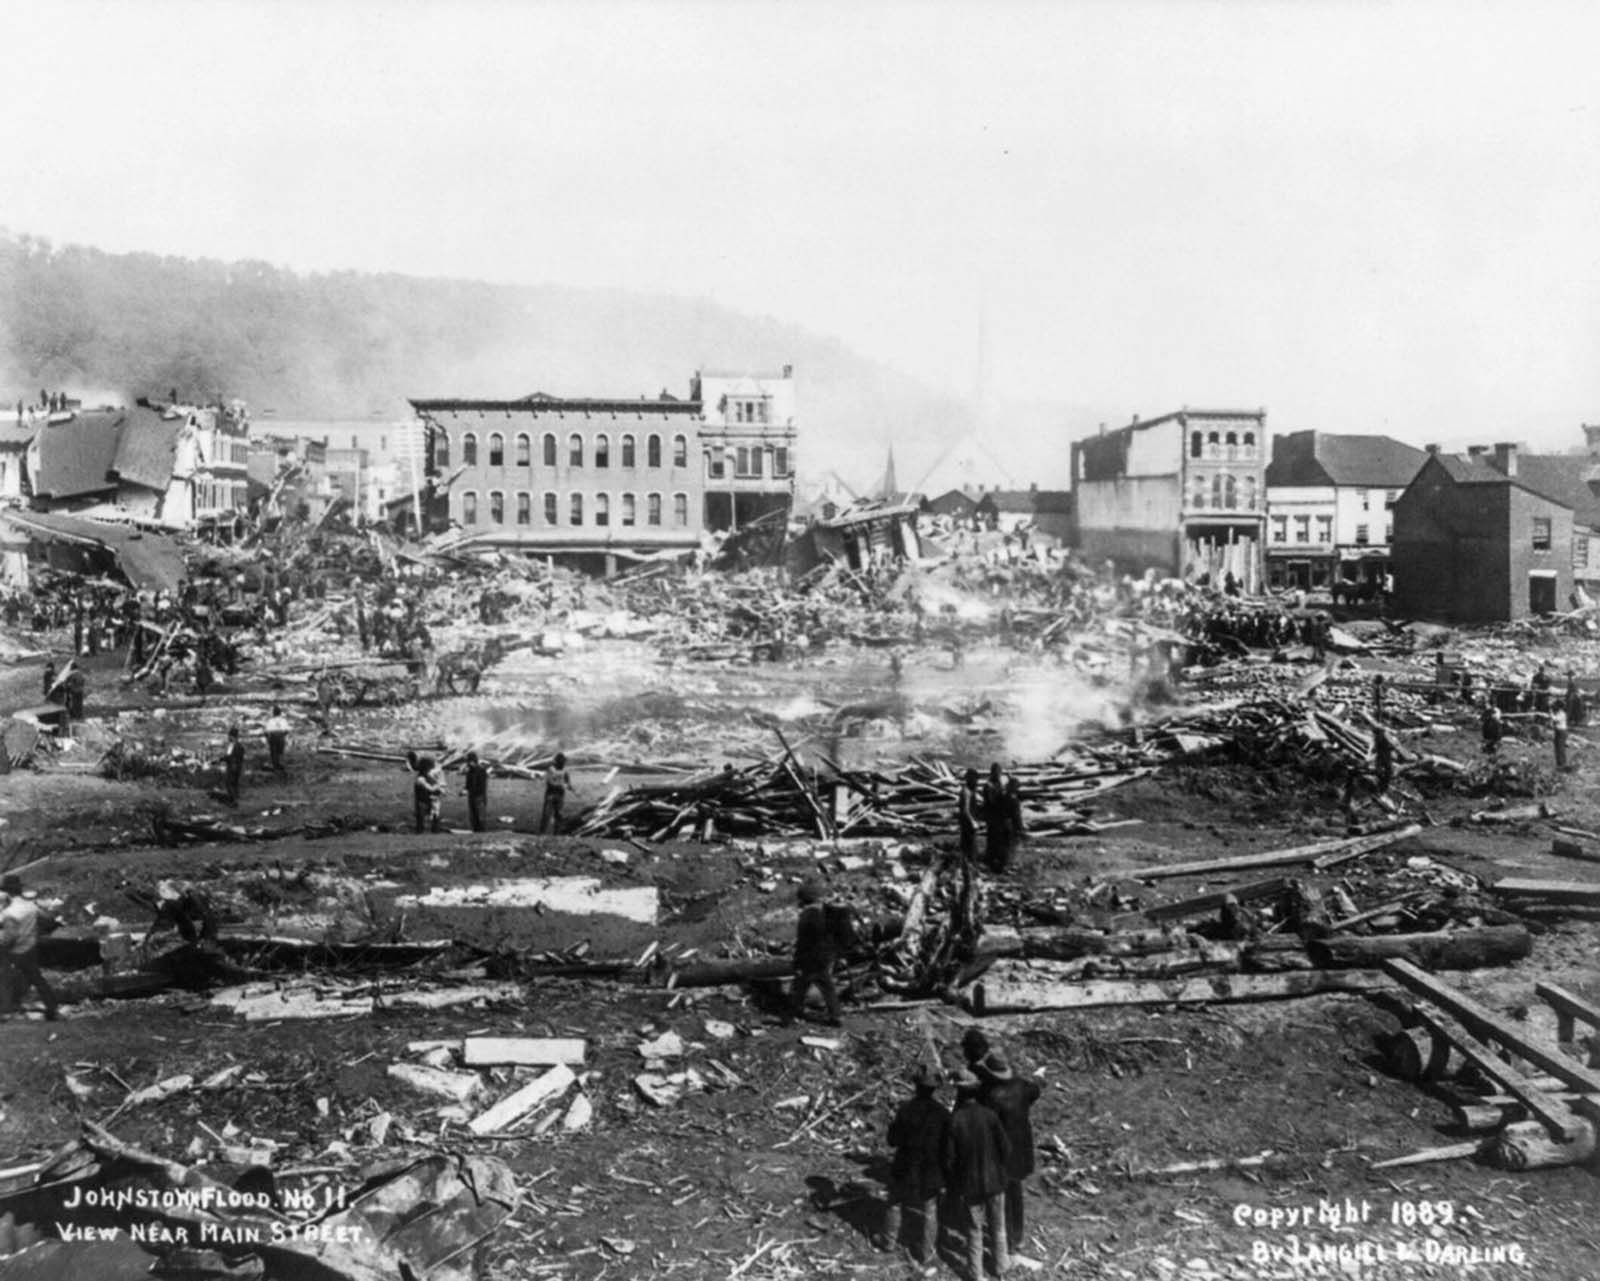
[(782, 1174)]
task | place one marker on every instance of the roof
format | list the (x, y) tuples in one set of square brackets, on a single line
[(1028, 500), (148, 560), (148, 449), (76, 456), (15, 434), (539, 403), (1562, 479), (1328, 458)]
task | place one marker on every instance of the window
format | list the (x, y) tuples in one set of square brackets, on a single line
[(652, 452), (1325, 529), (780, 461), (524, 450), (549, 448), (575, 517), (497, 507), (627, 509), (1280, 529), (524, 508), (627, 452), (1197, 444), (755, 461), (1363, 536), (741, 461), (1302, 529), (1201, 487), (680, 451), (353, 444), (1249, 488), (652, 508), (469, 508), (1230, 491), (550, 507), (1250, 439), (1541, 533), (1366, 500), (602, 509), (469, 450), (680, 510), (575, 450), (602, 450), (1213, 439), (1391, 498), (497, 450), (1580, 550), (716, 464), (441, 450), (1233, 438)]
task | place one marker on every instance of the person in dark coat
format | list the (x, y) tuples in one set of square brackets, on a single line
[(996, 822), (1493, 729), (967, 806), (1383, 753), (557, 783), (916, 1175), (1010, 1098), (477, 791), (815, 951), (232, 766), (975, 1047), (977, 1155), (185, 908)]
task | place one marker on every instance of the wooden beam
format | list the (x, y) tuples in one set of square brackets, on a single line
[(1014, 992), (1469, 948), (1490, 1026), (1585, 892), (1569, 1009), (1321, 853), (1211, 902)]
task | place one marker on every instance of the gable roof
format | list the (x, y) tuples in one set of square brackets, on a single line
[(76, 456), (1033, 501), (1562, 479), (1314, 458), (148, 448)]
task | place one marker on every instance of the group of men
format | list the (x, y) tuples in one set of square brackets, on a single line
[(276, 731), (1541, 705), (997, 804), (969, 1162), (428, 788)]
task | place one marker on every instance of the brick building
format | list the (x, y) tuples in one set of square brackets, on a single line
[(1184, 493), (1491, 536)]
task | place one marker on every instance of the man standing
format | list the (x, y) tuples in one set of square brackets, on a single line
[(1377, 697), (426, 790), (277, 728), (976, 1157), (1010, 1099), (967, 816), (1558, 728), (996, 822), (232, 766), (557, 782), (477, 791), (1383, 752), (1493, 729), (916, 1175), (19, 950), (815, 951)]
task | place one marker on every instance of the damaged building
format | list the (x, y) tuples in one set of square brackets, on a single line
[(1184, 493)]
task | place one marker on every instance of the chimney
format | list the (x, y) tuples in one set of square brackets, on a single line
[(1432, 449), (1102, 429), (1591, 434), (1033, 488), (788, 371), (1477, 451), (1505, 457), (1136, 420)]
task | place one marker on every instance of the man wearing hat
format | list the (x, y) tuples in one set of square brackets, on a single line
[(976, 1155), (232, 766), (815, 951), (1009, 1098), (916, 1176), (19, 950)]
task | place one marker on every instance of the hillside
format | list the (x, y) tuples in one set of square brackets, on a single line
[(349, 344)]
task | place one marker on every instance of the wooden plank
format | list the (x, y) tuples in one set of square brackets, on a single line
[(1569, 1009), (1485, 1023), (1211, 902), (1002, 993), (517, 1105), (531, 1051), (1551, 891), (1322, 853)]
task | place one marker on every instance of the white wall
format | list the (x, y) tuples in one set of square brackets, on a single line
[(1156, 451)]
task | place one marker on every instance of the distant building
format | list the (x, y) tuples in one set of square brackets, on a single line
[(594, 481), (1047, 511), (1492, 536), (1184, 493), (955, 503), (369, 462), (1330, 506)]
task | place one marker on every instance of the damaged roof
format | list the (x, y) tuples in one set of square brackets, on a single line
[(148, 449), (76, 456)]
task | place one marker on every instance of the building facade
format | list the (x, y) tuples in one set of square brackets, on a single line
[(1184, 493), (598, 482), (1330, 507), (1493, 536)]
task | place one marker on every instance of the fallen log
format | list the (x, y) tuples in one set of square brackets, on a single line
[(531, 1051), (733, 970), (1464, 949), (1525, 1145), (1322, 854), (1201, 904), (1007, 993), (1563, 848), (1419, 1054), (1448, 1152), (1585, 893)]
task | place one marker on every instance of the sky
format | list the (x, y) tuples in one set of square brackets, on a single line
[(1361, 216)]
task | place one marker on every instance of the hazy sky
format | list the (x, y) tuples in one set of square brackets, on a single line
[(1363, 216)]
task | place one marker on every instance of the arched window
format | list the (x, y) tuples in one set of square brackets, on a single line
[(550, 516), (1249, 493), (1250, 439), (627, 509), (469, 508), (1196, 444), (652, 452), (741, 461), (627, 451), (1230, 491), (652, 509), (680, 451), (441, 449), (524, 450), (575, 452), (576, 515), (1233, 438), (680, 510), (1216, 490), (549, 449), (602, 509), (497, 450), (469, 450), (524, 506), (602, 450), (1200, 488), (497, 507)]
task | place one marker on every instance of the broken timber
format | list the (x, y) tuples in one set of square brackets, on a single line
[(1584, 893), (1569, 1009), (1015, 992), (1321, 854), (1464, 949), (1481, 1022)]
